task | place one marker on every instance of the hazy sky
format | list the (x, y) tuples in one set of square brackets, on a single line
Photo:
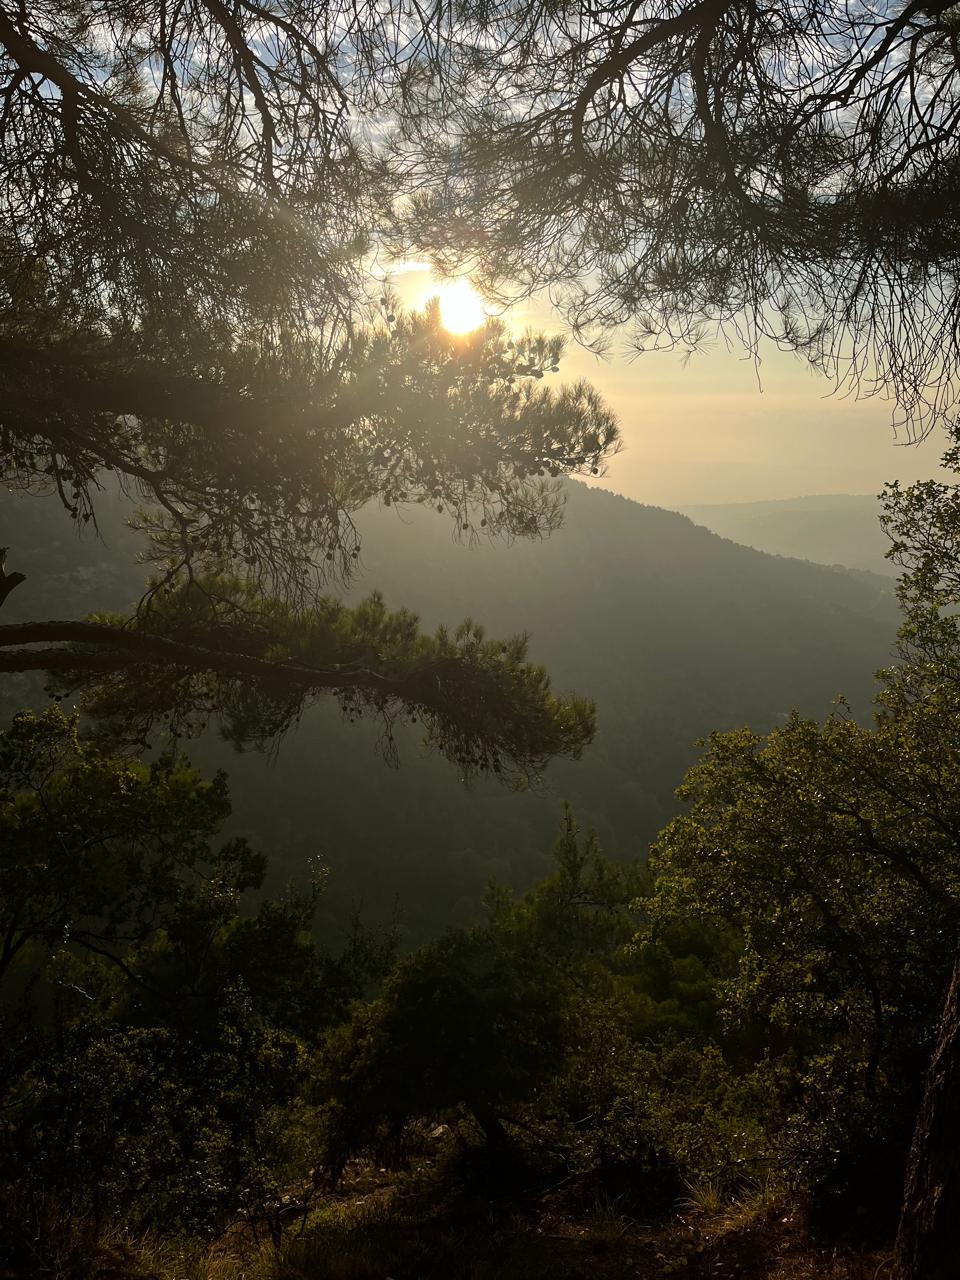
[(706, 432)]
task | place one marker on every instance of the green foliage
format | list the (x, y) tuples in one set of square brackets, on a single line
[(551, 1029), (923, 523), (779, 997), (156, 1035), (484, 1018), (831, 850), (648, 586), (97, 849), (474, 1020), (182, 304), (761, 1000), (213, 648)]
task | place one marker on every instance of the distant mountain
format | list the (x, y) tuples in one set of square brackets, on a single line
[(827, 529), (672, 630)]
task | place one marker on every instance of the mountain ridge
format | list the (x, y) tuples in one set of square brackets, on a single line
[(672, 630), (842, 529)]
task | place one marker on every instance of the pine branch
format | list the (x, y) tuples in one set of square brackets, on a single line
[(8, 581), (133, 647)]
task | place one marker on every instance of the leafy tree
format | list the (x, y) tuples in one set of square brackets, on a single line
[(563, 1038), (923, 520), (820, 845), (787, 171), (531, 1022), (95, 847), (473, 1020), (833, 850), (482, 1018), (184, 303), (155, 1035), (480, 701)]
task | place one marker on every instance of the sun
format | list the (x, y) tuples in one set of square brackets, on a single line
[(461, 307)]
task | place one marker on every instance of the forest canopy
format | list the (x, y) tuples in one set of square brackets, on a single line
[(185, 306)]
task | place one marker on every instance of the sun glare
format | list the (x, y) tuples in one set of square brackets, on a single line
[(461, 307)]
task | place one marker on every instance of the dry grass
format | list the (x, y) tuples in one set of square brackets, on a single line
[(383, 1231), (764, 1235)]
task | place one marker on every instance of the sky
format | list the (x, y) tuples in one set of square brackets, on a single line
[(707, 431)]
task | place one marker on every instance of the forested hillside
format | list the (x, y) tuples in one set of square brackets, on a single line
[(673, 631)]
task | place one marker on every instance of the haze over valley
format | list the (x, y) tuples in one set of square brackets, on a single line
[(673, 630)]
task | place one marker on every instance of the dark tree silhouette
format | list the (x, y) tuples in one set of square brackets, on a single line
[(787, 170), (185, 302), (214, 650)]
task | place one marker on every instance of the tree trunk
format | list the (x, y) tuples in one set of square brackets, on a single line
[(928, 1241), (495, 1134)]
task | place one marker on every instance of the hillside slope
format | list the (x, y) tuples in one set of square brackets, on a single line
[(826, 528), (671, 629)]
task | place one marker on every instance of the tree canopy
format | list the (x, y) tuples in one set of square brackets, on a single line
[(832, 849), (185, 297), (155, 1032), (787, 171), (186, 302)]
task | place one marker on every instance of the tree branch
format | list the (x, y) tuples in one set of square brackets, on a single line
[(53, 380), (33, 60), (130, 648), (617, 63)]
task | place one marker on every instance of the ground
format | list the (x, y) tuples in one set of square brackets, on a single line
[(418, 1226), (384, 1231)]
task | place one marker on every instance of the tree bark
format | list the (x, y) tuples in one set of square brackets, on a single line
[(928, 1240), (7, 583), (494, 1133)]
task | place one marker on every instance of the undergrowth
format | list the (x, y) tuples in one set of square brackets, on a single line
[(380, 1227)]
